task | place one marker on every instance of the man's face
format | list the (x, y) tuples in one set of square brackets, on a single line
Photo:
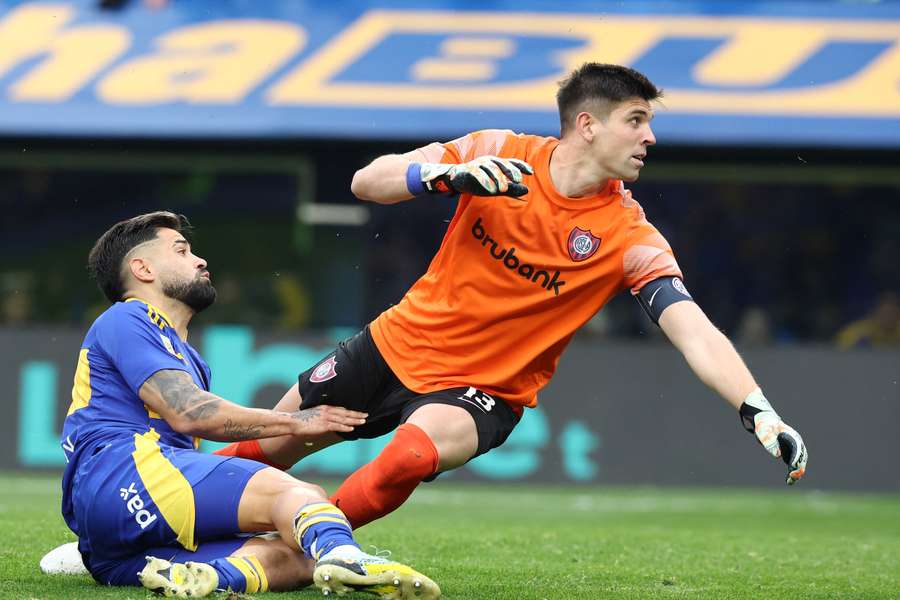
[(621, 140), (182, 274)]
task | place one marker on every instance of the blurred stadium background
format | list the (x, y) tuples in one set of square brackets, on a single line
[(776, 179)]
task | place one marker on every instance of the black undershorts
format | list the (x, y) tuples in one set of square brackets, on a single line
[(356, 376)]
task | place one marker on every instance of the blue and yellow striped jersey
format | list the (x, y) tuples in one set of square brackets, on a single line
[(127, 344)]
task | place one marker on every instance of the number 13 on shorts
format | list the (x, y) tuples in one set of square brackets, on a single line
[(484, 401)]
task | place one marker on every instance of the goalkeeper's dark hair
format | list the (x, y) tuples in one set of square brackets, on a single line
[(106, 261), (598, 88)]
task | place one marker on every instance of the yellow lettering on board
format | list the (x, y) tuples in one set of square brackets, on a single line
[(311, 83), (873, 91), (760, 51), (759, 54), (218, 62), (75, 55), (471, 59)]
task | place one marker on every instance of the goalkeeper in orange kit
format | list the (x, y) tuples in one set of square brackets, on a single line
[(545, 233)]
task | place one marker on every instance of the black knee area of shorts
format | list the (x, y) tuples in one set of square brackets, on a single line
[(493, 424)]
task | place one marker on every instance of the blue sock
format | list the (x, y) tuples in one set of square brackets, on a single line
[(321, 526), (240, 574)]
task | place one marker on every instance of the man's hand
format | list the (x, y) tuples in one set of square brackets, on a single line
[(322, 419), (777, 437), (484, 176)]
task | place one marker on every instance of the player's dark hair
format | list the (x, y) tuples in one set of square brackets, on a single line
[(600, 87), (106, 259)]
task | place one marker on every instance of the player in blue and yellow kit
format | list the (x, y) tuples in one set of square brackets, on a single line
[(146, 505)]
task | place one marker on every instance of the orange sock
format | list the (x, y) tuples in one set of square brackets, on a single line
[(250, 450), (384, 484)]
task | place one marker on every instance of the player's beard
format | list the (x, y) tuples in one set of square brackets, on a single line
[(197, 293)]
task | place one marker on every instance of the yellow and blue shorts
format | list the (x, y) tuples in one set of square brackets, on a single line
[(134, 497)]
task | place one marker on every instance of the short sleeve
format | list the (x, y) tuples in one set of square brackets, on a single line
[(470, 146), (647, 258), (136, 346)]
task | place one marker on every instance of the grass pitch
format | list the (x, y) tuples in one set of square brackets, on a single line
[(522, 542)]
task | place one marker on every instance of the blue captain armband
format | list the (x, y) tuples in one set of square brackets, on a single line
[(661, 293)]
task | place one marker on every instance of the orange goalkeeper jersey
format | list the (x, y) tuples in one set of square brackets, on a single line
[(513, 280)]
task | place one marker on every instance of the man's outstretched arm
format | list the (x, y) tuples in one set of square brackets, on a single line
[(709, 353), (394, 178), (716, 362), (193, 411), (384, 179)]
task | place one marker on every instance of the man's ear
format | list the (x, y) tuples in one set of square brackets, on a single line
[(142, 270), (585, 124)]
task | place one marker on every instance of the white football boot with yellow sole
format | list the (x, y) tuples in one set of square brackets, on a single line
[(178, 580), (342, 572)]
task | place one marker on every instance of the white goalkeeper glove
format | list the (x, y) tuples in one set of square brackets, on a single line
[(777, 437), (483, 176)]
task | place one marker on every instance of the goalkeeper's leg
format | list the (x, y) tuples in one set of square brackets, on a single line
[(442, 431), (381, 486), (436, 437)]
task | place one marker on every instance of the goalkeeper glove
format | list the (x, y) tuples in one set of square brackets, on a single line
[(483, 176), (777, 437)]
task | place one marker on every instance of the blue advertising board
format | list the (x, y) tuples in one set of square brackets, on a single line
[(603, 419), (799, 73)]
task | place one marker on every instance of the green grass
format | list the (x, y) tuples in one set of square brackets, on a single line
[(521, 542)]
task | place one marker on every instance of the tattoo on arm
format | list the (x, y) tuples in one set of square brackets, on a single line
[(306, 415), (238, 432), (204, 408), (183, 396)]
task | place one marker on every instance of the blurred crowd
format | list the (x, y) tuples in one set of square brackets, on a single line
[(769, 264)]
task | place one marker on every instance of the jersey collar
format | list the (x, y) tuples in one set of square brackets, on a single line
[(164, 316)]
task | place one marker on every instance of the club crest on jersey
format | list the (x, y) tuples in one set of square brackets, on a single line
[(325, 371), (582, 244)]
